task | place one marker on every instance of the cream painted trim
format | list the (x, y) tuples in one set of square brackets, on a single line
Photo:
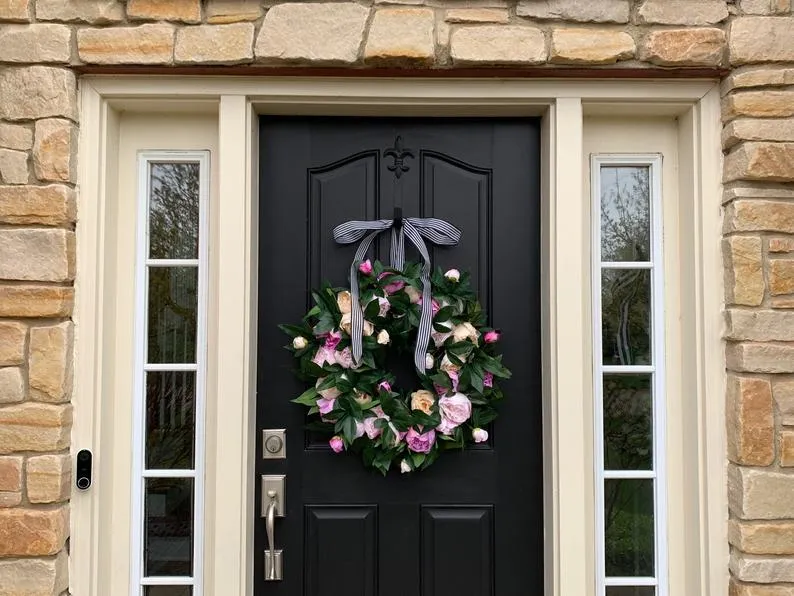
[(568, 523)]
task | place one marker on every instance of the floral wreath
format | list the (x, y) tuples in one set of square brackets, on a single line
[(359, 404)]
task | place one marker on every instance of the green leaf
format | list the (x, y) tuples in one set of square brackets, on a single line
[(372, 310), (307, 398), (444, 314), (418, 459)]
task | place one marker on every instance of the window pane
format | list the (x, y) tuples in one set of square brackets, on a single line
[(174, 211), (625, 213), (167, 591), (172, 314), (630, 591), (629, 528), (170, 420), (626, 316), (168, 527), (628, 422)]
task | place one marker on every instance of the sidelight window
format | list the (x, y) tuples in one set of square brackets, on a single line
[(170, 373), (628, 375)]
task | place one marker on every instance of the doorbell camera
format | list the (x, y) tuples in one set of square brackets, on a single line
[(83, 469)]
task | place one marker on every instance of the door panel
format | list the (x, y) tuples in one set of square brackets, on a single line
[(471, 524)]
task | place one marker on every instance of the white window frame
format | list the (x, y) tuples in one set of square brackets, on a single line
[(140, 473), (654, 163)]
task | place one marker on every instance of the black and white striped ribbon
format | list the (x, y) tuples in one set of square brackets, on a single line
[(415, 229)]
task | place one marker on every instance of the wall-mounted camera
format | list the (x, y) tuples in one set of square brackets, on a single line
[(83, 469)]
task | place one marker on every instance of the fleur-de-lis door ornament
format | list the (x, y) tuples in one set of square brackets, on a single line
[(399, 153)]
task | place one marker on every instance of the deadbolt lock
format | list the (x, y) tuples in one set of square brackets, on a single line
[(274, 444)]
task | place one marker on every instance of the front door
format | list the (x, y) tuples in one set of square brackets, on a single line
[(471, 524)]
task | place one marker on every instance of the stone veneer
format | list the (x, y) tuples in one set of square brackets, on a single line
[(42, 40)]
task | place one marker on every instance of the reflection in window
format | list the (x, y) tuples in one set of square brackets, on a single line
[(625, 214)]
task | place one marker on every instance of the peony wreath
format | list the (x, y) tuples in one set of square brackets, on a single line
[(342, 344)]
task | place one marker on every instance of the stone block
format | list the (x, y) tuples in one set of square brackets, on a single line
[(750, 421), (590, 46), (144, 44), (50, 363), (34, 427), (756, 129), (36, 301), (766, 162), (185, 11), (37, 92), (758, 76), (99, 12), (215, 44), (54, 149), (493, 44), (761, 39), (765, 7), (760, 494), (33, 532), (781, 245), (758, 104), (783, 392), (477, 15), (762, 538), (35, 43), (401, 36), (16, 136), (48, 478), (744, 276), (786, 453), (323, 33), (683, 12), (14, 166), (10, 473), (683, 47), (759, 216), (10, 498), (760, 358), (12, 343), (762, 569), (781, 276), (232, 11), (585, 11), (37, 255), (759, 325), (12, 385), (35, 577), (15, 10), (51, 205)]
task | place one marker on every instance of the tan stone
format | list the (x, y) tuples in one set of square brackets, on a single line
[(760, 358), (14, 166), (34, 427), (476, 15), (12, 342), (36, 301), (765, 7), (215, 44), (33, 532), (778, 245), (35, 577), (781, 276), (750, 421), (48, 478), (759, 325), (771, 162), (783, 392), (10, 473), (759, 216), (755, 568), (683, 12), (233, 11), (50, 363), (85, 11), (48, 205), (756, 191), (12, 385), (37, 92), (443, 32), (10, 499), (323, 33), (762, 538), (782, 302), (760, 76), (492, 44), (16, 136), (54, 146), (761, 39), (761, 104), (760, 494), (739, 589), (744, 276), (590, 46), (786, 452), (36, 255), (144, 44), (35, 43), (683, 47), (603, 11), (402, 36), (15, 10), (754, 129), (186, 11)]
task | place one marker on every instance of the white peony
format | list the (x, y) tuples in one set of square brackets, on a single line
[(299, 343), (453, 275), (465, 331), (383, 337), (347, 325), (479, 435), (404, 467), (429, 360)]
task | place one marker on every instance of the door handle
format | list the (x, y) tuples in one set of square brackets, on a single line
[(273, 506)]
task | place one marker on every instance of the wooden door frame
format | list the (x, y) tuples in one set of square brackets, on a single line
[(567, 363)]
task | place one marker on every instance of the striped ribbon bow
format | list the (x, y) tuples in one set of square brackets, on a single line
[(415, 229)]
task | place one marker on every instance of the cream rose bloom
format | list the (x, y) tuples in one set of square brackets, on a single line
[(347, 325), (344, 302), (465, 331), (383, 337), (413, 294), (299, 343), (362, 398), (422, 400), (330, 393), (447, 364)]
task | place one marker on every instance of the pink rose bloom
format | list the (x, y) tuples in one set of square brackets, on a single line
[(446, 427), (393, 287), (360, 429), (384, 304), (337, 444), (325, 405), (384, 386), (373, 432), (487, 379), (453, 376), (324, 355), (420, 442), (491, 337), (378, 411), (332, 339), (456, 408), (365, 267), (344, 358), (479, 435)]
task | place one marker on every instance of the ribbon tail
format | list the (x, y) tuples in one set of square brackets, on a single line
[(356, 312), (425, 321)]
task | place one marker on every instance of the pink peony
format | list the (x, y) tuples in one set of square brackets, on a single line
[(332, 339), (325, 405), (384, 305), (360, 429), (324, 355), (420, 442), (394, 286), (453, 376), (456, 408), (446, 427), (365, 267), (337, 444), (487, 380), (344, 358), (479, 435), (384, 386), (373, 432), (492, 337)]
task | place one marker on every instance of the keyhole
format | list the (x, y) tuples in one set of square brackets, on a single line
[(274, 444)]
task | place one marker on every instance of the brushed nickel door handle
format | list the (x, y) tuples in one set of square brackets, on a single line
[(273, 557)]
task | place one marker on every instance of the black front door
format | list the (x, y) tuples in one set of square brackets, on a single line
[(472, 524)]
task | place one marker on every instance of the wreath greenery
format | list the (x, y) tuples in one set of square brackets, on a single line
[(360, 405)]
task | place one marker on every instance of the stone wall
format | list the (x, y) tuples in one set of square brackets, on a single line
[(42, 41)]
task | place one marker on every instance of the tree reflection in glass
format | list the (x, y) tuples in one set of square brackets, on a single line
[(628, 422), (174, 211), (170, 420), (629, 527), (625, 213), (626, 316)]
